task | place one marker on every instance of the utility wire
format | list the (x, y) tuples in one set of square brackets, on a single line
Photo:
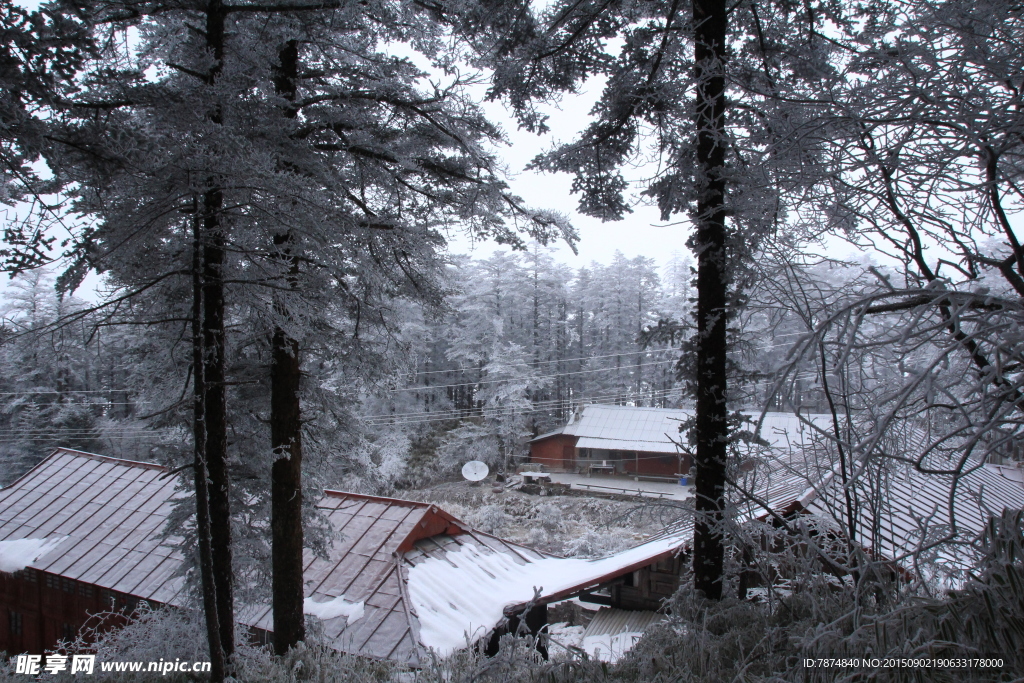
[(495, 381)]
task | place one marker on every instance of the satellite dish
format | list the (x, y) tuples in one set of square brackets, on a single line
[(474, 470)]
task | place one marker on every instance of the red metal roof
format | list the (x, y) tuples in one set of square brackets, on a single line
[(112, 513)]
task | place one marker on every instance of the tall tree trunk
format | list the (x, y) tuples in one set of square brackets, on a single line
[(709, 245), (215, 404), (217, 670), (285, 433), (215, 416)]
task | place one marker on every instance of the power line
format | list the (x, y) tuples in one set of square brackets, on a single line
[(543, 362), (541, 406), (495, 381), (578, 358), (613, 394), (452, 415), (61, 393), (96, 402)]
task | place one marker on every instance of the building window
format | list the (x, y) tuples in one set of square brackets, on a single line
[(68, 632), (52, 581), (85, 590), (68, 585), (15, 622)]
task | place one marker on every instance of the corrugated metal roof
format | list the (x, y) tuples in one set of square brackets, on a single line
[(656, 430), (548, 435), (112, 512), (918, 509), (610, 621)]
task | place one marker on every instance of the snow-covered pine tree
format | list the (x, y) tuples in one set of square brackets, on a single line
[(362, 170), (692, 87)]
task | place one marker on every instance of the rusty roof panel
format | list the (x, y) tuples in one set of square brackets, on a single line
[(114, 511), (72, 550), (375, 539), (368, 579), (150, 574)]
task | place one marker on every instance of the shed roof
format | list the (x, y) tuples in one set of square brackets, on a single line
[(919, 509), (462, 593), (110, 514), (656, 430)]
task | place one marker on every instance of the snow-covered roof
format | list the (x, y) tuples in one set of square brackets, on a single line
[(377, 541), (920, 508), (899, 509), (98, 520), (405, 576), (462, 594), (656, 430)]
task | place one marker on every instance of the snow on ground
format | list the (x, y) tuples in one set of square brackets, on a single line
[(578, 525), (459, 599), (16, 555), (562, 636)]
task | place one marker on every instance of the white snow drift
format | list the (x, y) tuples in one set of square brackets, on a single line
[(332, 609), (460, 599), (16, 555)]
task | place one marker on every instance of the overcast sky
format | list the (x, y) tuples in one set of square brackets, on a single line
[(639, 234)]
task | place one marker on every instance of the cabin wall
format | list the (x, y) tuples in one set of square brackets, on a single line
[(658, 464), (39, 609), (557, 453)]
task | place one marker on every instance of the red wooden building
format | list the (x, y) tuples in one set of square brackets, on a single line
[(96, 524), (646, 441), (615, 440)]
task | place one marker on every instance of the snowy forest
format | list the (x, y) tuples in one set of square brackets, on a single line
[(513, 344), (231, 253)]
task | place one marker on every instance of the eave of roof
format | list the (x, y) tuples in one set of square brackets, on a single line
[(558, 432)]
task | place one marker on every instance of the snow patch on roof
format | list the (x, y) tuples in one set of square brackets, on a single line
[(332, 609), (16, 555), (461, 598)]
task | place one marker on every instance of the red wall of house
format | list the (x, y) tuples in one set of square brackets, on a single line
[(559, 453), (556, 453), (660, 464), (38, 609)]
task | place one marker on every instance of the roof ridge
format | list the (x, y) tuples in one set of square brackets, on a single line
[(60, 450), (382, 499), (112, 459)]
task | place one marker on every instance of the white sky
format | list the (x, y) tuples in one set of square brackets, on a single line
[(641, 233)]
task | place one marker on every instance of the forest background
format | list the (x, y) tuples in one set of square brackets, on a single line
[(270, 214)]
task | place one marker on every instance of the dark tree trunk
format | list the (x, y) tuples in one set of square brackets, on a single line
[(215, 413), (285, 434), (709, 245), (217, 670)]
